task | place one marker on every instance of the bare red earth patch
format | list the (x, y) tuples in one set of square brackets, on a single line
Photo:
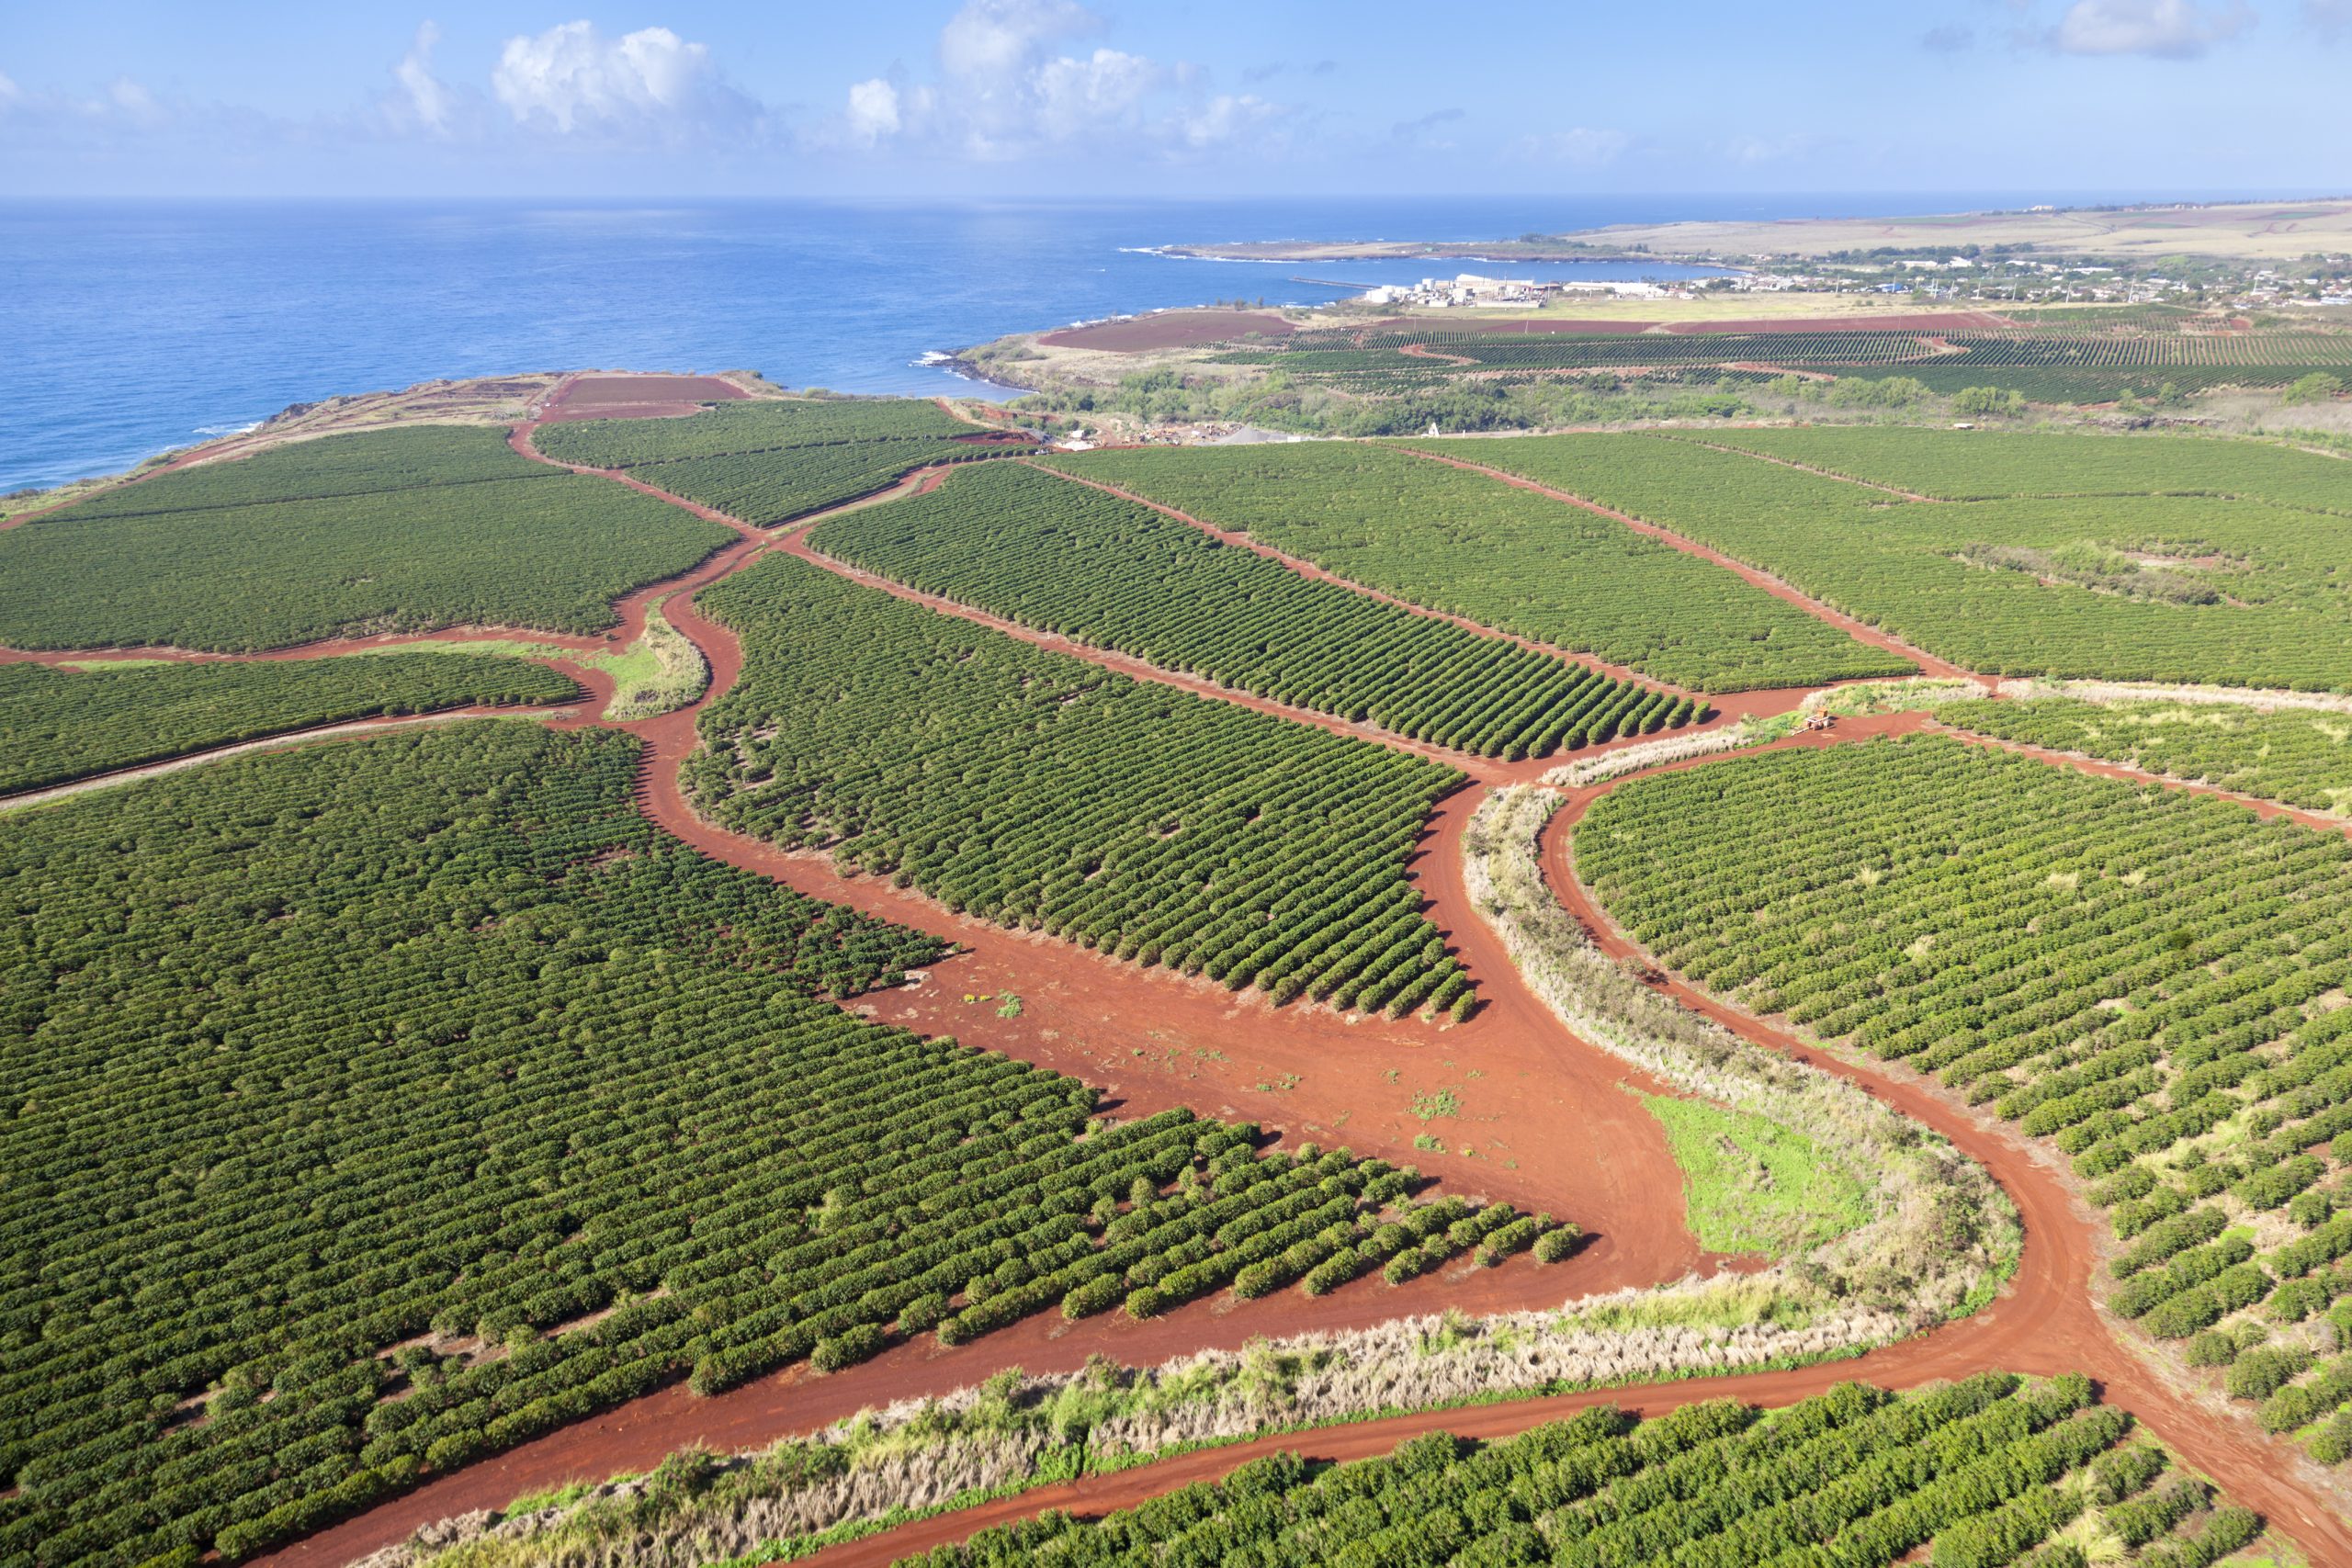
[(637, 396)]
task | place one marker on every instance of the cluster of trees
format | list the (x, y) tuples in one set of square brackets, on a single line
[(1978, 1473), (2124, 973), (770, 461), (1466, 545), (1073, 560), (2298, 756), (402, 530), (58, 724), (1039, 791), (2280, 621), (421, 1066)]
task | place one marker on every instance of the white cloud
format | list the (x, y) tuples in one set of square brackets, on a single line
[(1225, 118), (1073, 96), (1010, 85), (872, 110), (573, 78), (997, 38), (2169, 29), (132, 102), (9, 91), (1579, 144), (428, 101)]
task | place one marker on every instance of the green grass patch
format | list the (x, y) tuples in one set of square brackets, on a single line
[(1753, 1185)]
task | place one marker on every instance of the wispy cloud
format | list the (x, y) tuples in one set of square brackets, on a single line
[(2166, 29), (1583, 145), (1015, 79)]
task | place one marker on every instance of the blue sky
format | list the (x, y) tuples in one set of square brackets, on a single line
[(1174, 98)]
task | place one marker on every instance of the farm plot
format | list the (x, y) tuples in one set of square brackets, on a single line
[(301, 552), (1039, 791), (1984, 465), (1460, 542), (1973, 1474), (399, 1101), (1073, 560), (2299, 758), (2149, 979), (370, 463), (770, 461), (2135, 588), (58, 724)]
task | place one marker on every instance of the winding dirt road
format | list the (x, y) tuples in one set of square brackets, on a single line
[(1559, 1134)]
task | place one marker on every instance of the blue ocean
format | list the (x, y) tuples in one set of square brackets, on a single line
[(131, 328)]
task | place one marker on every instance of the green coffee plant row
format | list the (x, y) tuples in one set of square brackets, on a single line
[(1924, 570), (758, 426), (2301, 758), (2148, 979), (1039, 791), (58, 724), (373, 462), (1460, 543), (1070, 559), (402, 1100), (546, 550), (1975, 1474), (1989, 465), (2048, 384), (768, 462)]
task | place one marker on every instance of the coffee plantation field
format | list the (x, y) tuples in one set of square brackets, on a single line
[(770, 461), (375, 1107), (1039, 791), (1462, 544), (2299, 757), (2150, 980), (1070, 559), (1984, 465), (57, 725), (371, 463), (395, 531), (2161, 587), (1975, 1474)]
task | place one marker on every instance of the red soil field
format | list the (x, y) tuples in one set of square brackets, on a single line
[(1168, 329), (636, 397)]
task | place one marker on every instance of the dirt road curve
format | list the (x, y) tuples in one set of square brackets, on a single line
[(1547, 1115)]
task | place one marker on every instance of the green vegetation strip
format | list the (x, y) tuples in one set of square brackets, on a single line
[(1040, 791), (2293, 755), (1070, 559), (1753, 1185), (1979, 1473), (399, 1100), (2152, 981), (58, 726), (1463, 543), (458, 530), (2167, 587), (770, 461)]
